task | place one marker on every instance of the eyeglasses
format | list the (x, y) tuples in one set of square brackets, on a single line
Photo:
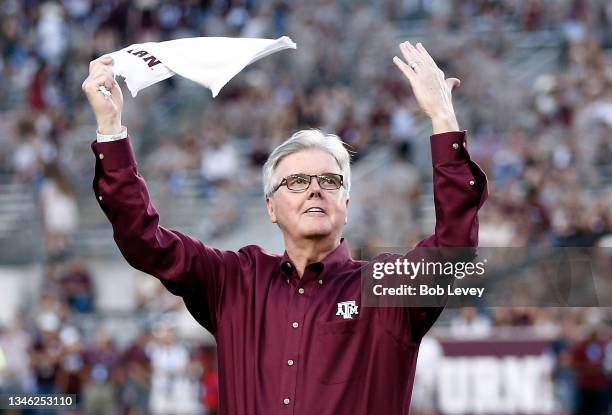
[(301, 182)]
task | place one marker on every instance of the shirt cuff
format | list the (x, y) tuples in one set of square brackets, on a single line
[(103, 138), (448, 147), (114, 155)]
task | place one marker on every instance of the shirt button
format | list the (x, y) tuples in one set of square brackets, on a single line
[(295, 325), (456, 146), (301, 291), (99, 197), (101, 156), (320, 282), (290, 362), (286, 401), (472, 182)]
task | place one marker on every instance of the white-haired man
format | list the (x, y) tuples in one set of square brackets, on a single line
[(292, 336)]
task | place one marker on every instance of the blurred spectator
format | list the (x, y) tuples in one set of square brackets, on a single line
[(103, 364), (60, 210), (15, 369), (52, 288), (46, 353), (77, 286), (589, 356), (30, 152), (52, 32), (136, 377), (173, 386), (564, 374), (71, 374), (220, 160)]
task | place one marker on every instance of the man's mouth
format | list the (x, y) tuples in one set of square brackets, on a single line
[(315, 210)]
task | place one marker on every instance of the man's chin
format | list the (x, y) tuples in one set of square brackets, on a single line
[(316, 233)]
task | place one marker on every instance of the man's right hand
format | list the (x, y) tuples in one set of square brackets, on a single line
[(107, 109)]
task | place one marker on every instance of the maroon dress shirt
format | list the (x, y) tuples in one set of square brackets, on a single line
[(282, 347)]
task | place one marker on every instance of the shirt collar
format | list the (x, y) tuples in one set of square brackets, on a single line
[(331, 262)]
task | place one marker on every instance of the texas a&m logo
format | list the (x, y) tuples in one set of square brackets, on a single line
[(346, 309)]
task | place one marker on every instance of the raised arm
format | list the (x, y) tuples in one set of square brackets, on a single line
[(184, 265), (460, 186)]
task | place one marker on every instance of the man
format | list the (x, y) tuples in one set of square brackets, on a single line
[(292, 337)]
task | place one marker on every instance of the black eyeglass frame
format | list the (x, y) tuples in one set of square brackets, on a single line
[(310, 176)]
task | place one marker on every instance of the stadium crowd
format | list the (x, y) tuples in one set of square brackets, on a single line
[(545, 144)]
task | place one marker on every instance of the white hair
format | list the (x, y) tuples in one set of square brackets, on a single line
[(303, 140)]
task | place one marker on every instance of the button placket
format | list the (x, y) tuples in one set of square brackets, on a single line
[(298, 304)]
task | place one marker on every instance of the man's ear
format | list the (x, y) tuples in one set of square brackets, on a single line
[(270, 206), (346, 204)]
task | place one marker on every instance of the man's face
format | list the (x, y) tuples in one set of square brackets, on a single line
[(293, 212)]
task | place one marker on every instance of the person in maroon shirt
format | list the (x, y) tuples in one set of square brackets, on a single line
[(284, 346)]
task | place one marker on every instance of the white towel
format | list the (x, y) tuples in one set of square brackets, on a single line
[(209, 61)]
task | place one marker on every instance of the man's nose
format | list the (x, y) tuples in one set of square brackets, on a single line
[(314, 188)]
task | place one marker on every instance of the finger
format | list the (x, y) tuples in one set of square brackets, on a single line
[(406, 70), (98, 68), (115, 86), (103, 77), (86, 85), (101, 69), (108, 83), (425, 54), (418, 58), (103, 62), (104, 80), (408, 54), (453, 83)]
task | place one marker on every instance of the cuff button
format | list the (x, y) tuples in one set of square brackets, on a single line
[(455, 146), (99, 197), (472, 182), (101, 156)]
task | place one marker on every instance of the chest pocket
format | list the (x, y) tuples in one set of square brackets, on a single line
[(341, 349)]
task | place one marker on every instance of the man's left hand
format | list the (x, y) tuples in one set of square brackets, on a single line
[(432, 91)]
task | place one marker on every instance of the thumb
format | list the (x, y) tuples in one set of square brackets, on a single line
[(453, 83)]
